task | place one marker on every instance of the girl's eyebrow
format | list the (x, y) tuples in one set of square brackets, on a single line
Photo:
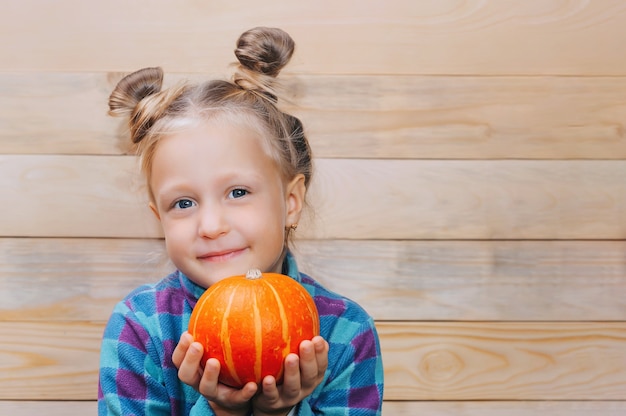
[(175, 187), (241, 174)]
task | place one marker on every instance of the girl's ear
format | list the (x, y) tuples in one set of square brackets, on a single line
[(155, 211), (295, 200)]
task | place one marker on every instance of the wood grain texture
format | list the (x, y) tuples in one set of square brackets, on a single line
[(504, 408), (423, 361), (464, 117), (102, 196), (49, 408), (67, 204), (353, 116), (399, 37), (65, 280), (81, 279), (49, 361), (56, 113), (397, 408), (504, 361), (474, 280)]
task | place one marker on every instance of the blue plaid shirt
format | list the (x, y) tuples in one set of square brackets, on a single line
[(137, 376)]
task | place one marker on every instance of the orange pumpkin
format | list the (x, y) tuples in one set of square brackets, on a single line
[(251, 322)]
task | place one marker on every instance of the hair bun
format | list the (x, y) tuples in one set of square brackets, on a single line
[(139, 97), (133, 88), (265, 50)]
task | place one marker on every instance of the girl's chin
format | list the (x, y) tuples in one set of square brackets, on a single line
[(210, 277), (209, 274)]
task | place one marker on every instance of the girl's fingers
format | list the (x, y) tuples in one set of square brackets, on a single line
[(229, 398), (308, 362), (321, 354), (190, 371), (292, 379), (181, 349), (248, 391), (313, 362), (270, 390), (209, 383)]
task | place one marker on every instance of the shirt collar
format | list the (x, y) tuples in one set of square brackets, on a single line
[(290, 267)]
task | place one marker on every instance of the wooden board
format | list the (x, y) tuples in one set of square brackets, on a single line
[(397, 408), (400, 37), (49, 361), (423, 361), (81, 279), (102, 196), (354, 116), (504, 361), (504, 408), (49, 408), (475, 280)]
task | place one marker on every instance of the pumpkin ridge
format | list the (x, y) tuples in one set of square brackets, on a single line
[(225, 340), (196, 320), (313, 313), (285, 322), (258, 339)]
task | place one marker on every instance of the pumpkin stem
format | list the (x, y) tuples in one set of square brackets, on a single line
[(253, 274)]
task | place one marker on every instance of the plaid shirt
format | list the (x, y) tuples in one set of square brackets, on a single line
[(137, 376)]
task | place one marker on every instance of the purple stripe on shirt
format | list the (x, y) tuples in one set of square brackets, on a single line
[(364, 397), (328, 306), (170, 302), (130, 384), (365, 346), (135, 335)]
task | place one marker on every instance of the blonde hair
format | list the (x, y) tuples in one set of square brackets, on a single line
[(251, 97)]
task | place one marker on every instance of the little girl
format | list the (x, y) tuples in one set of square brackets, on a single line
[(227, 174)]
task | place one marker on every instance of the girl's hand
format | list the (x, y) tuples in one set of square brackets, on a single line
[(224, 400), (302, 375)]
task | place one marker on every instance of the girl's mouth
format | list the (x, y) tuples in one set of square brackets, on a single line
[(220, 256)]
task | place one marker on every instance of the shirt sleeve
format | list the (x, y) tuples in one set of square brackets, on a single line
[(354, 381), (130, 380)]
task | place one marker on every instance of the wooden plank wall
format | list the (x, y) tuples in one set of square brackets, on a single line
[(470, 190)]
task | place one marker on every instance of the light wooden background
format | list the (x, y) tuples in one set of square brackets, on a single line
[(470, 189)]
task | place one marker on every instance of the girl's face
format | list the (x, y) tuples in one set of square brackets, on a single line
[(222, 202)]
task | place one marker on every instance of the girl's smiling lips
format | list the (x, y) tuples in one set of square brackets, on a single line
[(217, 256)]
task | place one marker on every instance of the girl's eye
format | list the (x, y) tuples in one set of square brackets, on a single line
[(237, 193), (183, 204)]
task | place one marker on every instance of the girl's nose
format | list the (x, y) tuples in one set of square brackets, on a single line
[(213, 222)]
